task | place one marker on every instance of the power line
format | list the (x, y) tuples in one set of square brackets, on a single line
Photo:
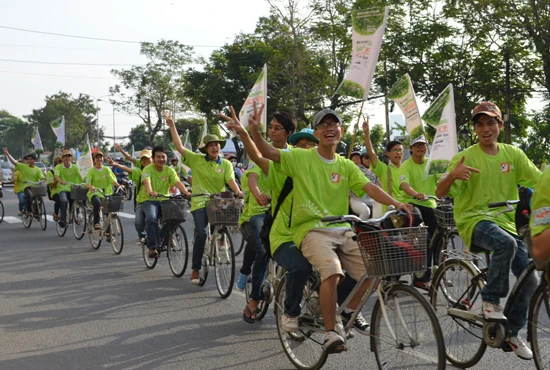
[(69, 63), (95, 38), (50, 75), (63, 48)]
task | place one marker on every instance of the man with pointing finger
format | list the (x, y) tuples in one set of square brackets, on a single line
[(484, 173)]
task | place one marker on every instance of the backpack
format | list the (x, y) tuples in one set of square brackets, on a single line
[(269, 219), (48, 188)]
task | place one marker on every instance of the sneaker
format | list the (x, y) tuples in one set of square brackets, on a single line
[(19, 214), (519, 348), (333, 342), (360, 323), (195, 277), (153, 253), (62, 224), (290, 324), (174, 244), (241, 281), (493, 311), (141, 241), (55, 217)]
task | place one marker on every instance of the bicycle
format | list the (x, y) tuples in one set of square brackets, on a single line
[(174, 213), (76, 214), (223, 210), (1, 204), (402, 319), (113, 233), (272, 280), (38, 208), (458, 304)]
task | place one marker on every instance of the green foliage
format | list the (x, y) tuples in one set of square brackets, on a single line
[(15, 134), (139, 137)]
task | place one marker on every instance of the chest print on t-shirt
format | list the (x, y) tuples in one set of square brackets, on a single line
[(163, 178), (505, 167), (219, 170), (335, 178)]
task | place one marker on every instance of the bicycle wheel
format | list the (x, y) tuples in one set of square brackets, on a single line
[(128, 192), (178, 251), (61, 230), (411, 336), (1, 212), (224, 262), (78, 215), (95, 236), (149, 262), (42, 214), (539, 327), (27, 220), (304, 348), (452, 287), (116, 234), (241, 247)]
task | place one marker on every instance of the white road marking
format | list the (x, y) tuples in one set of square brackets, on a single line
[(126, 215), (12, 220)]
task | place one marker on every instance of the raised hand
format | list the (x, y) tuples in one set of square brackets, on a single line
[(254, 120), (168, 118), (366, 127), (462, 172), (233, 122), (110, 161), (118, 147), (6, 151)]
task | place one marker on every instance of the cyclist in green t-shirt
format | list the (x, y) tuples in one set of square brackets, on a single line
[(140, 195), (210, 174), (540, 218), (488, 172), (29, 173), (54, 189), (99, 177), (333, 177), (157, 179), (66, 173), (388, 174)]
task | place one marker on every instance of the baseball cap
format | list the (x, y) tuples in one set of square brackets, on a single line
[(305, 133), (31, 155), (487, 107), (98, 153), (145, 153), (420, 139), (66, 152), (322, 114)]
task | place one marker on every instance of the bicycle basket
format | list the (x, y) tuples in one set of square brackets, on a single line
[(174, 210), (111, 203), (222, 211), (394, 252), (444, 216), (79, 192), (39, 190)]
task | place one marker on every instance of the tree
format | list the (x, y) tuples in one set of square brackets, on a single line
[(139, 136), (79, 115), (16, 134), (147, 91)]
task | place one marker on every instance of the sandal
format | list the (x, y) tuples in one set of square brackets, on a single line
[(249, 316)]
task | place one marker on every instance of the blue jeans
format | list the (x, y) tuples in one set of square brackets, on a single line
[(297, 273), (64, 198), (201, 220), (21, 198), (259, 269), (508, 252), (139, 221), (151, 208)]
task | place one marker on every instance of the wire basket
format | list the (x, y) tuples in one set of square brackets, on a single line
[(79, 192), (395, 251), (39, 190), (224, 211), (112, 203), (444, 216), (174, 210)]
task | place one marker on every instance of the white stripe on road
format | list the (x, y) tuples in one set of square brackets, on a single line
[(12, 220), (126, 215)]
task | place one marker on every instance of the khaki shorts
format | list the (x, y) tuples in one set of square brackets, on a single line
[(331, 250)]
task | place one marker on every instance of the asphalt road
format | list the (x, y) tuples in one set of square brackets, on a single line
[(66, 306)]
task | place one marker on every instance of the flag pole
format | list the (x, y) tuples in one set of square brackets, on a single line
[(356, 129)]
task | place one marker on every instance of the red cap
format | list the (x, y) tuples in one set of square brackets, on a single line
[(488, 108)]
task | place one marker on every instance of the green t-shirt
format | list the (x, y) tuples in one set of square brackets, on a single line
[(28, 174), (161, 182), (208, 176), (321, 188), (102, 179), (251, 206), (49, 180), (413, 174), (180, 171), (135, 176), (381, 170), (69, 175), (540, 205), (280, 229), (500, 175)]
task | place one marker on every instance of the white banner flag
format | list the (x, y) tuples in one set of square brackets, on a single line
[(85, 162), (258, 94), (441, 116), (204, 133), (368, 29), (58, 127), (133, 154), (37, 142), (186, 142), (402, 93)]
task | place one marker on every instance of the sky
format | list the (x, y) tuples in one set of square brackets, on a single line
[(24, 86)]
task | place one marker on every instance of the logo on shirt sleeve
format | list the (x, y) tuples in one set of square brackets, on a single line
[(541, 216), (402, 178), (335, 178), (505, 167)]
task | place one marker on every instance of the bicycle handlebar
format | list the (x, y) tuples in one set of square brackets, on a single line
[(353, 218), (503, 204)]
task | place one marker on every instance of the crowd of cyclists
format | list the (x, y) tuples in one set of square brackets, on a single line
[(297, 178)]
